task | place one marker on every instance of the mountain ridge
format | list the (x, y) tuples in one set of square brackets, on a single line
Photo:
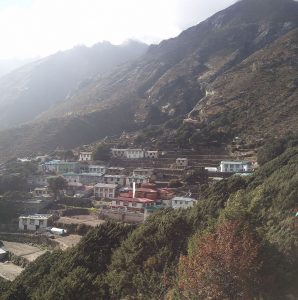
[(36, 87)]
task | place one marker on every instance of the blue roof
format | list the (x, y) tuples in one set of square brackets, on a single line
[(55, 161)]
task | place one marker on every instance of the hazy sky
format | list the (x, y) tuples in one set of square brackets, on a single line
[(30, 28)]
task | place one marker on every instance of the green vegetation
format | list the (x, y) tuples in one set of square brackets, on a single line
[(73, 274), (13, 182), (102, 152), (23, 168), (149, 134), (56, 184), (274, 147), (4, 284), (14, 186), (175, 183), (240, 241), (196, 176), (14, 176)]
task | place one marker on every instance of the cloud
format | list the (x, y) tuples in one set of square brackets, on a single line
[(40, 27)]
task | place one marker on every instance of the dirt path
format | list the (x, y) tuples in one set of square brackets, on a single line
[(23, 250), (68, 241), (9, 271), (81, 219)]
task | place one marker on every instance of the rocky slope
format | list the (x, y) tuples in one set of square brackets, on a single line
[(258, 96), (221, 56), (34, 88)]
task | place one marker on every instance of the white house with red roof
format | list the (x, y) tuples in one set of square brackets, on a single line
[(132, 204)]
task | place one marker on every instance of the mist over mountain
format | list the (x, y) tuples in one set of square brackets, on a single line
[(9, 65), (224, 73), (36, 87)]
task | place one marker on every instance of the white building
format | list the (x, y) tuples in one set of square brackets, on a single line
[(118, 153), (152, 154), (115, 171), (138, 179), (71, 177), (90, 178), (96, 169), (52, 166), (116, 179), (132, 204), (182, 202), (211, 169), (143, 172), (34, 222), (182, 162), (128, 153), (105, 190), (135, 153), (85, 156), (235, 166), (41, 192)]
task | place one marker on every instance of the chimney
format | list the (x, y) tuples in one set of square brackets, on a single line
[(133, 190)]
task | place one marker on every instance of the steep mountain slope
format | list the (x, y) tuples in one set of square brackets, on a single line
[(173, 77), (173, 74), (36, 87), (258, 96), (8, 65)]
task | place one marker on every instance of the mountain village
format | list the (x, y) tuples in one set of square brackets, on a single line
[(161, 171), (130, 186), (70, 195)]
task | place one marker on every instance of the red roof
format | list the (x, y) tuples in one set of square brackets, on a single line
[(148, 185), (138, 200), (126, 195), (146, 190)]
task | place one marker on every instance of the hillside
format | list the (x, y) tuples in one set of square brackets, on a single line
[(239, 241), (258, 96), (173, 75), (239, 55), (35, 87)]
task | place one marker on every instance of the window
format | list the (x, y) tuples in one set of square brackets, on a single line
[(31, 222), (41, 222)]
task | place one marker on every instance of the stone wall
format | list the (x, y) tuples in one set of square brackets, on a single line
[(126, 217), (29, 238)]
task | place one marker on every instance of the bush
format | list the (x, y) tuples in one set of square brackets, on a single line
[(225, 264), (102, 152), (271, 149), (175, 183)]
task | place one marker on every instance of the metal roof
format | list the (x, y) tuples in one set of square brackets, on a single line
[(183, 199), (239, 162)]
